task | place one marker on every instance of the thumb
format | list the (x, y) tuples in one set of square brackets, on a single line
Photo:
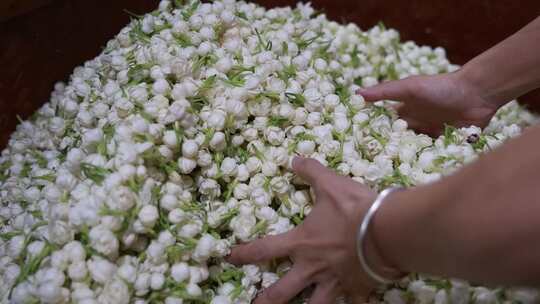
[(399, 90), (310, 170)]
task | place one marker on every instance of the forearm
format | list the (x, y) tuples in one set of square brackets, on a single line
[(480, 224), (509, 69)]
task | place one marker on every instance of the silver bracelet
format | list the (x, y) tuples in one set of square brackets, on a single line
[(361, 236)]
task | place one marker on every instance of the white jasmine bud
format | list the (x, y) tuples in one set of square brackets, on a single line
[(148, 215), (180, 272), (228, 166), (305, 147), (274, 135), (157, 281), (186, 165), (218, 142), (217, 120)]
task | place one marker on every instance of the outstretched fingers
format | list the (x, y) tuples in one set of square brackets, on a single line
[(310, 170), (325, 293), (399, 90), (285, 288)]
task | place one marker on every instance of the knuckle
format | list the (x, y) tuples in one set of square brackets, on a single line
[(261, 248), (296, 241), (314, 271), (255, 251)]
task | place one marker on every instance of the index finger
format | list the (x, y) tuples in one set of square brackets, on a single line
[(260, 250), (310, 170), (397, 90)]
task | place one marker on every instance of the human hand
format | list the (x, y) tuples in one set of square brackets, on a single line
[(430, 102), (323, 247)]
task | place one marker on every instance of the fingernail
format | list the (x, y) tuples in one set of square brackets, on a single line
[(295, 159), (361, 91)]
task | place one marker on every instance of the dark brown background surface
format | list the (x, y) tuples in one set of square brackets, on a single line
[(41, 41)]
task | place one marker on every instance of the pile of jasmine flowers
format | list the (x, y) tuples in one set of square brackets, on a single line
[(133, 182)]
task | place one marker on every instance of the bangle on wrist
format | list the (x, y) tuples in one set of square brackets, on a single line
[(361, 240)]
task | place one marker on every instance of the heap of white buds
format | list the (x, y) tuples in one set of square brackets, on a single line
[(133, 182)]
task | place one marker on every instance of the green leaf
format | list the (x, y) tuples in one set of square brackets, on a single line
[(219, 29), (342, 92), (182, 39), (288, 72), (156, 194), (391, 73), (107, 211), (135, 184), (305, 136), (4, 167), (179, 3), (443, 159), (108, 133), (322, 52), (277, 121), (381, 139), (285, 47), (237, 291), (230, 188), (479, 143), (259, 228), (6, 236), (229, 215), (236, 76), (162, 222), (207, 85), (296, 99), (270, 95), (231, 274), (30, 267), (449, 135), (355, 60), (191, 207), (397, 178), (304, 43), (47, 177), (190, 10), (40, 159), (152, 157), (203, 61), (198, 102), (379, 111), (139, 73), (137, 33), (263, 46), (25, 172), (108, 130), (336, 160), (242, 15), (95, 173), (439, 284)]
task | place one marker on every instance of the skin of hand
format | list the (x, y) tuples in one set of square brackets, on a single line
[(471, 95), (323, 247), (430, 102), (479, 224)]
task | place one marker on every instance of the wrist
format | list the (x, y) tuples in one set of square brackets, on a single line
[(402, 229), (473, 80), (372, 261)]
